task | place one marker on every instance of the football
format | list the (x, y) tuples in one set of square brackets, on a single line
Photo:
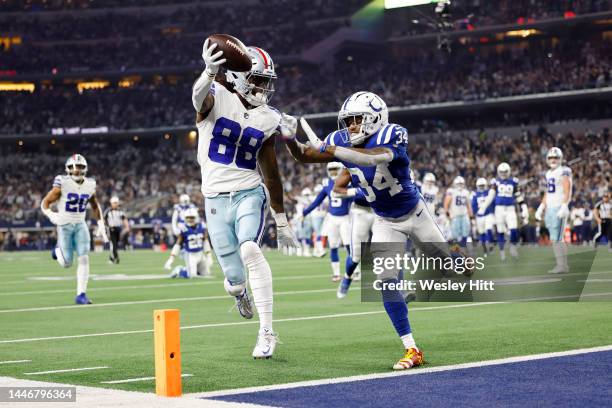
[(234, 51)]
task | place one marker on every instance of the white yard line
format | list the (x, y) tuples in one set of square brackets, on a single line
[(144, 302), (417, 371), (15, 361), (131, 380), (68, 370), (166, 285)]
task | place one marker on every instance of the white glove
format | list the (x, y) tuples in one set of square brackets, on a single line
[(539, 212), (288, 126), (168, 264), (313, 139), (211, 60), (101, 232), (284, 234), (563, 211)]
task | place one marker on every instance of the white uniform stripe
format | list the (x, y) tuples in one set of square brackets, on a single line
[(388, 134)]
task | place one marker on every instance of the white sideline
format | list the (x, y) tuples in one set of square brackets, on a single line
[(15, 361), (417, 371), (68, 370), (144, 302), (244, 322), (130, 380), (163, 285), (93, 397)]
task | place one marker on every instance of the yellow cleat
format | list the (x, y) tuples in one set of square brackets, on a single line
[(412, 358)]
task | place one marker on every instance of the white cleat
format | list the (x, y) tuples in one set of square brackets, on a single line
[(559, 269), (502, 256), (514, 253), (266, 344)]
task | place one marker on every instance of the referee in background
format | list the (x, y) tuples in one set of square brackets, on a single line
[(116, 221), (602, 217)]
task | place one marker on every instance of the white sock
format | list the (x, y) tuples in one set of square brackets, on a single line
[(560, 250), (82, 274), (408, 341), (335, 268), (260, 280), (319, 246)]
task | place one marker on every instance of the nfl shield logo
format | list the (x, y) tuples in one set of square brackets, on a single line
[(213, 211)]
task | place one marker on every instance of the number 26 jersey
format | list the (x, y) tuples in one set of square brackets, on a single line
[(72, 205), (229, 140)]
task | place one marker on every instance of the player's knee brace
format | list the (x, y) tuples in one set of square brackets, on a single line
[(233, 290)]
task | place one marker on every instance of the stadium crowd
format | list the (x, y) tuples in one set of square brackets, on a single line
[(433, 77)]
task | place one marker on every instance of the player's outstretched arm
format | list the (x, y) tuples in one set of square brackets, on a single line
[(97, 211), (317, 202), (269, 169), (51, 197), (200, 96), (301, 152)]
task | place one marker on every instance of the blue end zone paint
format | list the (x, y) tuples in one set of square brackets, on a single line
[(582, 380)]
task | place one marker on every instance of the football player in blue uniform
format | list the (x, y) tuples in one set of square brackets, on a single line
[(506, 195), (374, 151), (337, 224), (485, 222), (191, 240)]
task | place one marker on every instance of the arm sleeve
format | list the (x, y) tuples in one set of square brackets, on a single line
[(363, 159), (317, 202)]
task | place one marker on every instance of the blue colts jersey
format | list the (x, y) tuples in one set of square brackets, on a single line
[(337, 206), (193, 237), (506, 190), (478, 200), (387, 186)]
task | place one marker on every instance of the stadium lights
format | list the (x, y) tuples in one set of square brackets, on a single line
[(522, 33), (81, 86), (192, 134), (17, 86), (167, 136)]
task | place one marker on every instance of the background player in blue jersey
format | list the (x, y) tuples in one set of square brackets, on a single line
[(191, 239), (506, 195), (484, 222), (374, 151), (178, 213), (337, 224)]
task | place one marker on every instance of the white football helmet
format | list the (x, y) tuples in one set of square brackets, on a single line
[(503, 170), (191, 216), (76, 167), (481, 184), (370, 108), (257, 85), (554, 157), (459, 182), (184, 199), (333, 169), (429, 179)]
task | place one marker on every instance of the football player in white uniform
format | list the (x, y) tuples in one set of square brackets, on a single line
[(304, 231), (73, 192), (236, 130), (191, 239), (555, 206), (318, 217), (459, 209), (430, 192), (178, 214)]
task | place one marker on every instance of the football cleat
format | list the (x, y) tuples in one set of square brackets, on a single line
[(336, 278), (244, 305), (356, 276), (53, 254), (412, 358), (266, 344), (343, 288), (82, 299)]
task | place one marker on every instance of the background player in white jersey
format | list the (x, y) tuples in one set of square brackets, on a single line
[(337, 224), (486, 221), (178, 213), (73, 192), (318, 217), (506, 195), (375, 153), (362, 220), (430, 192), (191, 239), (457, 206), (236, 130), (555, 206), (304, 224)]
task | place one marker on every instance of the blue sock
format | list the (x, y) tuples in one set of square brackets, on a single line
[(396, 308), (333, 255), (350, 266), (308, 242), (489, 236), (483, 238), (514, 237), (463, 242), (501, 240)]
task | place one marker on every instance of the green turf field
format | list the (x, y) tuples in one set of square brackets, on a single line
[(322, 337)]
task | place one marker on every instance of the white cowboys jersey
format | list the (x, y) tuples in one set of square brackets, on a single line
[(459, 201), (430, 195), (72, 205), (554, 186), (230, 138)]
